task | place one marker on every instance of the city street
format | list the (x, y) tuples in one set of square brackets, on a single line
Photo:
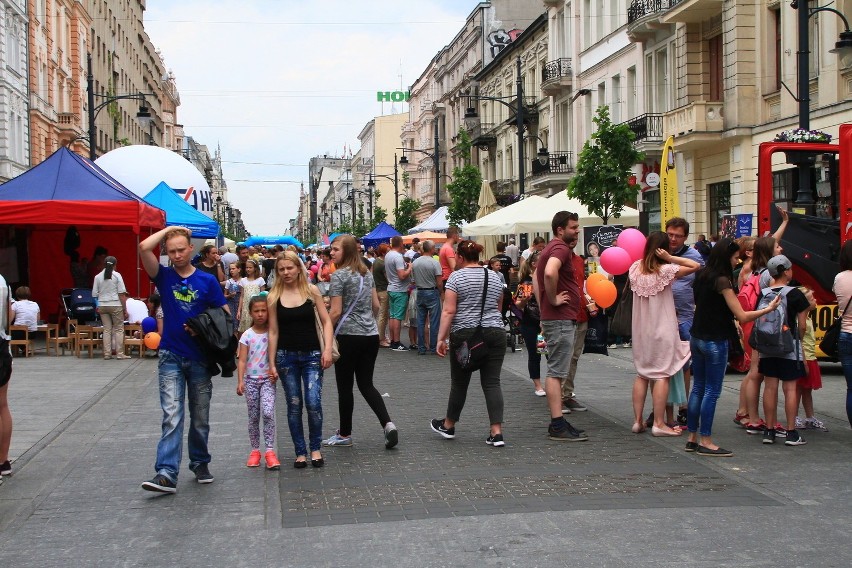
[(86, 432)]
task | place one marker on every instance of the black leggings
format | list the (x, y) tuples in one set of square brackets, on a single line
[(357, 362)]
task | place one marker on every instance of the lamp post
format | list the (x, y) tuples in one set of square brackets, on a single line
[(843, 48), (520, 115), (220, 240), (371, 185), (143, 116), (435, 162)]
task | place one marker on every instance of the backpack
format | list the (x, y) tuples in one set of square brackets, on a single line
[(771, 336), (750, 292)]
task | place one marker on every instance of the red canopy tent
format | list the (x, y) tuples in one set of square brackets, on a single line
[(68, 190)]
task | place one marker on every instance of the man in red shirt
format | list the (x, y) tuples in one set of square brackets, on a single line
[(447, 255), (560, 301)]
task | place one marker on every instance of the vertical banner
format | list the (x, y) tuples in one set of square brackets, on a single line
[(669, 201)]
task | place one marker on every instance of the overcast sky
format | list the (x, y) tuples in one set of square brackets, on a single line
[(274, 83)]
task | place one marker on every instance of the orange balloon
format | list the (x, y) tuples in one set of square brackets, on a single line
[(152, 340), (603, 292), (594, 277)]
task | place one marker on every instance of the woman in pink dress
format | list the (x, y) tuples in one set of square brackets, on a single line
[(658, 352)]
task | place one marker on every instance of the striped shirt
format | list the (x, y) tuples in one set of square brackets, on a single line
[(467, 284)]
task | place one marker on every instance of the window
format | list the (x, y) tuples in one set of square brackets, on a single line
[(720, 203), (631, 92), (615, 107), (776, 49)]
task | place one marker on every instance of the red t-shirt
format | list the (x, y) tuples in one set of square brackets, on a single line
[(566, 283), (444, 256)]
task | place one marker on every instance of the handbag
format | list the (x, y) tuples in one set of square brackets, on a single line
[(622, 319), (472, 353), (335, 348), (829, 343)]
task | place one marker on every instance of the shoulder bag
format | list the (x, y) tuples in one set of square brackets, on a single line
[(622, 319), (831, 339), (473, 352)]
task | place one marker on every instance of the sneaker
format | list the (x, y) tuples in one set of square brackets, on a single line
[(6, 468), (540, 392), (391, 435), (566, 408), (800, 423), (769, 436), (107, 357), (566, 434), (794, 439), (413, 347), (337, 440), (202, 474), (574, 405), (780, 431), (253, 459), (814, 424), (758, 428), (613, 346), (627, 345), (398, 347), (495, 440), (438, 426), (271, 460), (160, 484)]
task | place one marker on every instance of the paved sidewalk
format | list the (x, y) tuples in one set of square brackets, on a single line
[(86, 433)]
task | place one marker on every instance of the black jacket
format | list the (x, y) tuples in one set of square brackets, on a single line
[(214, 333)]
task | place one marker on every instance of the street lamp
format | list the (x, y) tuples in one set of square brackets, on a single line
[(542, 155), (143, 116), (221, 238), (843, 48), (404, 161), (520, 115), (369, 193), (371, 184)]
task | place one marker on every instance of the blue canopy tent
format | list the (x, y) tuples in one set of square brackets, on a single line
[(181, 213), (382, 233), (273, 240)]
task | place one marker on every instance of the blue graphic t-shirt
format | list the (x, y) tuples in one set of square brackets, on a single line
[(183, 298)]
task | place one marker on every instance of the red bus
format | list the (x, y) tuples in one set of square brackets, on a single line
[(815, 231)]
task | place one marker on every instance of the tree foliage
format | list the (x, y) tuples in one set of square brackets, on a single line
[(405, 218), (464, 189), (602, 181), (361, 226), (379, 215)]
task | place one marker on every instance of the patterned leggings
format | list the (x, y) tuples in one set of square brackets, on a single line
[(260, 397)]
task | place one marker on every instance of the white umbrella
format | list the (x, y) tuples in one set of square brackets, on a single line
[(487, 205)]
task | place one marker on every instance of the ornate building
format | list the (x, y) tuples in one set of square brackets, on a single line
[(14, 131)]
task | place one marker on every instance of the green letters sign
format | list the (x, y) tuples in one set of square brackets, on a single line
[(393, 96)]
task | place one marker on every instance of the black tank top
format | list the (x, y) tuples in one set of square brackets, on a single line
[(297, 329)]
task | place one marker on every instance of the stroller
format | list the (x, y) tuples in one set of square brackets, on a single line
[(79, 305), (512, 315)]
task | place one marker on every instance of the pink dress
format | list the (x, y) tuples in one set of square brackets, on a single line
[(658, 352)]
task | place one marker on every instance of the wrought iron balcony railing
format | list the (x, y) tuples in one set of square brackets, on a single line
[(557, 69), (646, 127)]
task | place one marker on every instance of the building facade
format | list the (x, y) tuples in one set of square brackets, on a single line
[(14, 122)]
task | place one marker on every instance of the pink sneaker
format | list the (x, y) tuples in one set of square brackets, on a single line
[(271, 460)]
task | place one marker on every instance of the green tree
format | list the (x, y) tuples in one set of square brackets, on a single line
[(405, 218), (602, 182), (361, 226), (464, 189), (379, 215), (344, 227)]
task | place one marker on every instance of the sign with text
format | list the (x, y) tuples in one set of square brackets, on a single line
[(600, 236), (736, 226), (393, 96)]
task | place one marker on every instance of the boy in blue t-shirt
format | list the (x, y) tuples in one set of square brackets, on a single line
[(186, 292)]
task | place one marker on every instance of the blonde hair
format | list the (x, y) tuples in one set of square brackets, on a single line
[(302, 284), (177, 232), (351, 254)]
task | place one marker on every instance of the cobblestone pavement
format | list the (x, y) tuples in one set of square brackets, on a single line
[(86, 433)]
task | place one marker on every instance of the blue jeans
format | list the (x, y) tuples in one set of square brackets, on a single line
[(428, 301), (180, 376), (298, 369), (709, 362), (845, 348)]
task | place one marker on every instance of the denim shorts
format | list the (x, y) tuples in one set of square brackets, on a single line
[(559, 335)]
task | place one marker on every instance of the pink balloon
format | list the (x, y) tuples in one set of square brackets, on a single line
[(633, 241), (615, 260)]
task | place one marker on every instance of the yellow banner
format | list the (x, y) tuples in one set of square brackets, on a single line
[(669, 201)]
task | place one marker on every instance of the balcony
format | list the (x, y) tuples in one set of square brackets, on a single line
[(556, 76), (555, 174), (41, 106), (695, 125), (483, 134), (648, 129), (530, 110), (691, 11), (644, 18), (68, 121)]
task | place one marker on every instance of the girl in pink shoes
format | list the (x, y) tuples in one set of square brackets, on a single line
[(258, 384)]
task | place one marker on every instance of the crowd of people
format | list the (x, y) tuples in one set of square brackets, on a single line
[(295, 313)]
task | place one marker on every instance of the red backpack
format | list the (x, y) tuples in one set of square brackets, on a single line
[(750, 292), (747, 296)]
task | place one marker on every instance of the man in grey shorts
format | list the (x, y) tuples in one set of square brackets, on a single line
[(560, 300)]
